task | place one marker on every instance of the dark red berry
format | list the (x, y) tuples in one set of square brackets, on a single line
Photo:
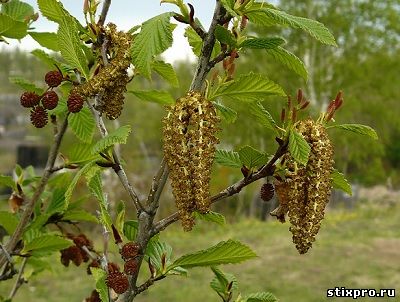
[(29, 99), (50, 100), (118, 282), (75, 102), (112, 267), (39, 117), (72, 253), (130, 250), (95, 297), (53, 78), (131, 267), (81, 240), (267, 192)]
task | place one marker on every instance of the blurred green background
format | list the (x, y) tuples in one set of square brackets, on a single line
[(359, 243)]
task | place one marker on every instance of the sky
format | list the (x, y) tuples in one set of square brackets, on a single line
[(125, 14)]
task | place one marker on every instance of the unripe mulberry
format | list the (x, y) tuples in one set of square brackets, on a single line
[(112, 267), (29, 99), (267, 192), (53, 78), (81, 240), (75, 102), (39, 117), (130, 250), (72, 253), (118, 282), (131, 266), (50, 100)]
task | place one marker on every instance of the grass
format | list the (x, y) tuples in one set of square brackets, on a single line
[(358, 249)]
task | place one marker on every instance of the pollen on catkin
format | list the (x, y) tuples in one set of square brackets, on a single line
[(189, 148)]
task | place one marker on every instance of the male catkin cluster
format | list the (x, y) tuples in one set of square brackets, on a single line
[(305, 192), (189, 148), (111, 80)]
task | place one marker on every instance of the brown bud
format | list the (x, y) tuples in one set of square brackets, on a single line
[(15, 202), (283, 115), (299, 96), (304, 105)]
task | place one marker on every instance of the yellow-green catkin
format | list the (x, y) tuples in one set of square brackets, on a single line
[(189, 148), (306, 191)]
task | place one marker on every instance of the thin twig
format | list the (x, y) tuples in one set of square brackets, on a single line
[(156, 187), (19, 280), (219, 58), (104, 12)]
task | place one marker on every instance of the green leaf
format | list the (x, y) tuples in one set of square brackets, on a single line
[(228, 158), (58, 202), (11, 28), (262, 43), (75, 180), (45, 57), (222, 280), (82, 125), (248, 88), (228, 114), (263, 117), (154, 38), (261, 297), (166, 71), (70, 45), (298, 147), (118, 136), (270, 16), (224, 36), (156, 251), (17, 10), (340, 182), (225, 252), (26, 85), (46, 39), (130, 229), (357, 128), (119, 220), (196, 42), (155, 96), (290, 60), (8, 181), (79, 215), (211, 217), (251, 157), (8, 221), (229, 6), (47, 244), (96, 188), (52, 10), (100, 277)]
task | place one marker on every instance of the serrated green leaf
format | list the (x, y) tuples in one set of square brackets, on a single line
[(340, 182), (100, 277), (46, 39), (290, 60), (228, 114), (248, 88), (211, 217), (154, 38), (166, 71), (119, 220), (96, 188), (357, 128), (156, 252), (52, 10), (46, 243), (79, 215), (17, 10), (57, 203), (196, 43), (11, 28), (261, 297), (45, 57), (224, 36), (262, 43), (252, 158), (75, 180), (155, 96), (221, 282), (26, 85), (8, 181), (130, 229), (81, 153), (225, 252), (298, 147), (70, 45), (229, 6), (263, 117), (82, 125), (118, 136), (8, 221), (228, 158)]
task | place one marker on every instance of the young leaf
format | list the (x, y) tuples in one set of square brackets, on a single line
[(155, 96), (228, 158), (26, 85), (52, 10), (130, 229), (357, 128), (248, 88), (8, 181), (100, 277), (196, 43), (79, 215), (340, 182), (75, 180), (263, 43), (11, 28), (251, 157), (211, 217), (96, 188), (229, 6), (70, 45), (8, 221), (228, 114), (154, 38), (225, 252), (222, 280), (45, 57), (263, 117), (57, 203), (119, 221), (261, 297), (224, 36), (46, 39), (17, 10), (288, 59), (298, 147), (166, 71), (118, 136), (47, 244), (82, 125)]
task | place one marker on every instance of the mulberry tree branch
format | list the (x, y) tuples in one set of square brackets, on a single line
[(104, 12)]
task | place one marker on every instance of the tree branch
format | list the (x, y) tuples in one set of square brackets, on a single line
[(26, 215), (219, 58), (104, 12), (19, 280)]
